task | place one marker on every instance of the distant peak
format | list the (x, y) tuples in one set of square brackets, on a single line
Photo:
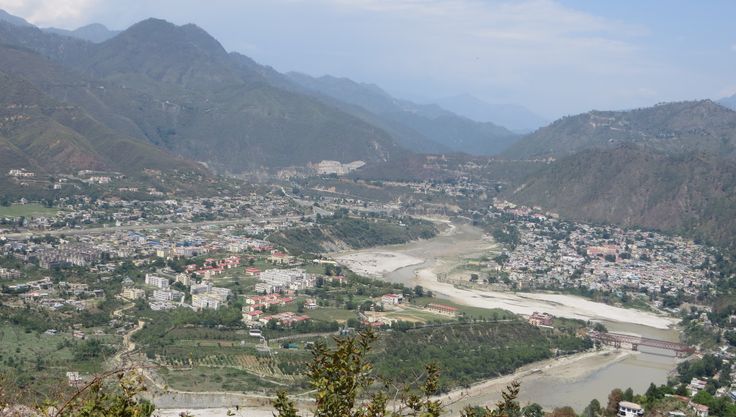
[(96, 26), (151, 23), (166, 33), (13, 20)]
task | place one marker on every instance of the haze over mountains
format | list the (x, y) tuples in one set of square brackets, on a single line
[(162, 96), (729, 102), (672, 127), (513, 116), (173, 86), (423, 128), (670, 167)]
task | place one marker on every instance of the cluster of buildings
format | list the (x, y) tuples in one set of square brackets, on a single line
[(9, 273), (277, 280), (553, 254), (83, 211), (44, 293), (204, 295)]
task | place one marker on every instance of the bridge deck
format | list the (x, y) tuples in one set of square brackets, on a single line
[(617, 339)]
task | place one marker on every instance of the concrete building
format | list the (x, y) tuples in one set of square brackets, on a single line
[(157, 281), (629, 409)]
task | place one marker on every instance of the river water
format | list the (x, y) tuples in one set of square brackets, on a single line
[(574, 385), (637, 371)]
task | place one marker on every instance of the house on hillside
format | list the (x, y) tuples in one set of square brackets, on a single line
[(541, 319), (442, 309), (700, 410), (629, 409), (392, 299)]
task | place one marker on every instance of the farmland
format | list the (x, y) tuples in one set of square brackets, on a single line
[(27, 210)]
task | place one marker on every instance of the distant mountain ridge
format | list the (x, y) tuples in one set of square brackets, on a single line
[(422, 128), (517, 118), (729, 102), (631, 185), (177, 88), (13, 20), (681, 127), (51, 137), (94, 32), (671, 167)]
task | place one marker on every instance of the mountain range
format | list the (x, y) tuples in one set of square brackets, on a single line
[(671, 127), (669, 167), (163, 97), (177, 88), (517, 118), (729, 102), (424, 128)]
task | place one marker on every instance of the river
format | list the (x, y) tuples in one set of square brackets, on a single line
[(556, 383)]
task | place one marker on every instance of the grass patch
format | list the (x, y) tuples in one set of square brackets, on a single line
[(475, 312), (331, 314), (27, 210)]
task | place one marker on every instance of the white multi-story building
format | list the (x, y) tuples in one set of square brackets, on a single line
[(629, 409), (200, 301), (185, 279), (133, 293), (204, 295), (275, 280), (157, 281), (201, 288), (167, 295)]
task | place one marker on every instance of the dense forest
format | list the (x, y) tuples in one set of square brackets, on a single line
[(469, 352)]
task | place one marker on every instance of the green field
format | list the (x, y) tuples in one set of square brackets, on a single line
[(474, 312), (418, 315), (202, 378), (340, 315), (27, 210), (31, 362)]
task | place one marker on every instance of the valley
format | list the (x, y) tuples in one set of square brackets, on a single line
[(363, 209)]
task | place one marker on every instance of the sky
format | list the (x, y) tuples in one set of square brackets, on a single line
[(555, 57)]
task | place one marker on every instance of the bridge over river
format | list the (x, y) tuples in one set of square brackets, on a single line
[(633, 342)]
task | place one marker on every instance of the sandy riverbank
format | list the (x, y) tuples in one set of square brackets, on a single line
[(560, 370), (553, 371), (420, 262), (376, 264), (526, 303)]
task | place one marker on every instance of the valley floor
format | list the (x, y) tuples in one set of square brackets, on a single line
[(421, 262)]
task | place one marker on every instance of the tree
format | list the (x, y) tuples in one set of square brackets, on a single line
[(532, 410), (599, 327), (563, 412), (653, 393), (615, 397), (703, 397), (100, 397), (593, 409), (629, 394), (342, 375), (506, 407), (339, 376), (419, 291)]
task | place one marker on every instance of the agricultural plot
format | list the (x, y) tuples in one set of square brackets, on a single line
[(27, 210), (416, 315), (339, 315), (474, 312), (275, 366)]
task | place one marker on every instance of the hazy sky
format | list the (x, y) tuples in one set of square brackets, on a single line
[(554, 57)]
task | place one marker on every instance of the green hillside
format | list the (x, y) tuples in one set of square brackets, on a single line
[(633, 186), (674, 128)]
